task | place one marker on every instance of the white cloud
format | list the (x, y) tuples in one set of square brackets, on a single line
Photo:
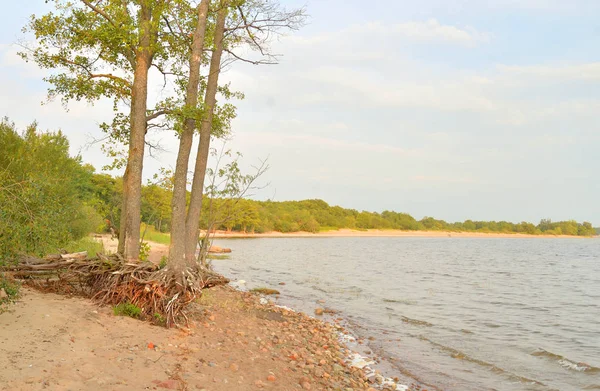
[(430, 30), (296, 139), (586, 71)]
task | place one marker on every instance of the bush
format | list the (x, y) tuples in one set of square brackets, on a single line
[(127, 309), (10, 287), (42, 193)]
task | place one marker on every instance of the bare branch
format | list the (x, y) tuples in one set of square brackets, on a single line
[(157, 114), (253, 62)]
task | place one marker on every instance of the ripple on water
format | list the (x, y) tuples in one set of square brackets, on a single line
[(565, 362)]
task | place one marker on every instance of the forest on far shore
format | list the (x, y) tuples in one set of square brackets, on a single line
[(48, 198)]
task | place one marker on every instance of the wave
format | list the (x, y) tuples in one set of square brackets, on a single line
[(457, 354), (416, 322), (400, 301), (565, 362), (351, 290)]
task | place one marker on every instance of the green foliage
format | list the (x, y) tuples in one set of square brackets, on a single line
[(88, 244), (317, 215), (159, 319), (44, 193), (10, 287), (163, 262), (156, 206), (144, 251), (152, 235), (127, 309), (106, 198)]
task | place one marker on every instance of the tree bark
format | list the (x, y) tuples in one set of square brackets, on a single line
[(129, 235), (178, 203), (192, 223)]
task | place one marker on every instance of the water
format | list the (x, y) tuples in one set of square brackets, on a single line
[(450, 313)]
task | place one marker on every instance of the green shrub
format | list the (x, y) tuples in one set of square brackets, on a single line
[(159, 319), (127, 309), (144, 251), (163, 262), (10, 287), (42, 192)]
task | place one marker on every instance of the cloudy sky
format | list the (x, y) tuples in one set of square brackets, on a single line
[(482, 109)]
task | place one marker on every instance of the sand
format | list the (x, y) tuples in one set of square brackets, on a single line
[(234, 341)]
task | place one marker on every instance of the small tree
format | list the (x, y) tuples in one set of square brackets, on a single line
[(225, 193)]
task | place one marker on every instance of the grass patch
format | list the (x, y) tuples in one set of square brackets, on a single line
[(85, 244), (127, 309), (265, 291), (152, 235)]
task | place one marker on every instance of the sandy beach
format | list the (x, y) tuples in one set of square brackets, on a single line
[(382, 233), (234, 341)]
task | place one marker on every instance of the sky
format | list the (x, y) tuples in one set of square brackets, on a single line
[(464, 109)]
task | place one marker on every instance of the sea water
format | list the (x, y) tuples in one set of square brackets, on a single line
[(447, 313)]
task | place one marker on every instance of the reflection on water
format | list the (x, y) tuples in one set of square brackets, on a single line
[(455, 313)]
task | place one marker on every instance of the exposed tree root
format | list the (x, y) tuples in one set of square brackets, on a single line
[(161, 294)]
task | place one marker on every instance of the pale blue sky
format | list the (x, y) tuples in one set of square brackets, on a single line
[(482, 109)]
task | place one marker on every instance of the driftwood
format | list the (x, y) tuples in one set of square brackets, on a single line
[(161, 294)]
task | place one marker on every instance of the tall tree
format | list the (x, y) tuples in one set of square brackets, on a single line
[(178, 225), (239, 24), (104, 49), (192, 223)]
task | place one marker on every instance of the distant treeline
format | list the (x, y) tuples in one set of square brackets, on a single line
[(309, 215), (48, 199), (317, 215)]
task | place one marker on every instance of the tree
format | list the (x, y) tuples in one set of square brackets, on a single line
[(225, 192), (105, 50), (238, 23), (178, 204), (192, 222)]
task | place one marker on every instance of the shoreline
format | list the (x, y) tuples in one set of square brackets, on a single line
[(350, 233), (234, 340)]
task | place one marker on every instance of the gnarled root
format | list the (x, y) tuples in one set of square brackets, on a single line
[(161, 294)]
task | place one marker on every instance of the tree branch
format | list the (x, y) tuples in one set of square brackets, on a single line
[(99, 12)]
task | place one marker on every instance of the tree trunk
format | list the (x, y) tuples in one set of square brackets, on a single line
[(129, 238), (178, 203), (192, 223)]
